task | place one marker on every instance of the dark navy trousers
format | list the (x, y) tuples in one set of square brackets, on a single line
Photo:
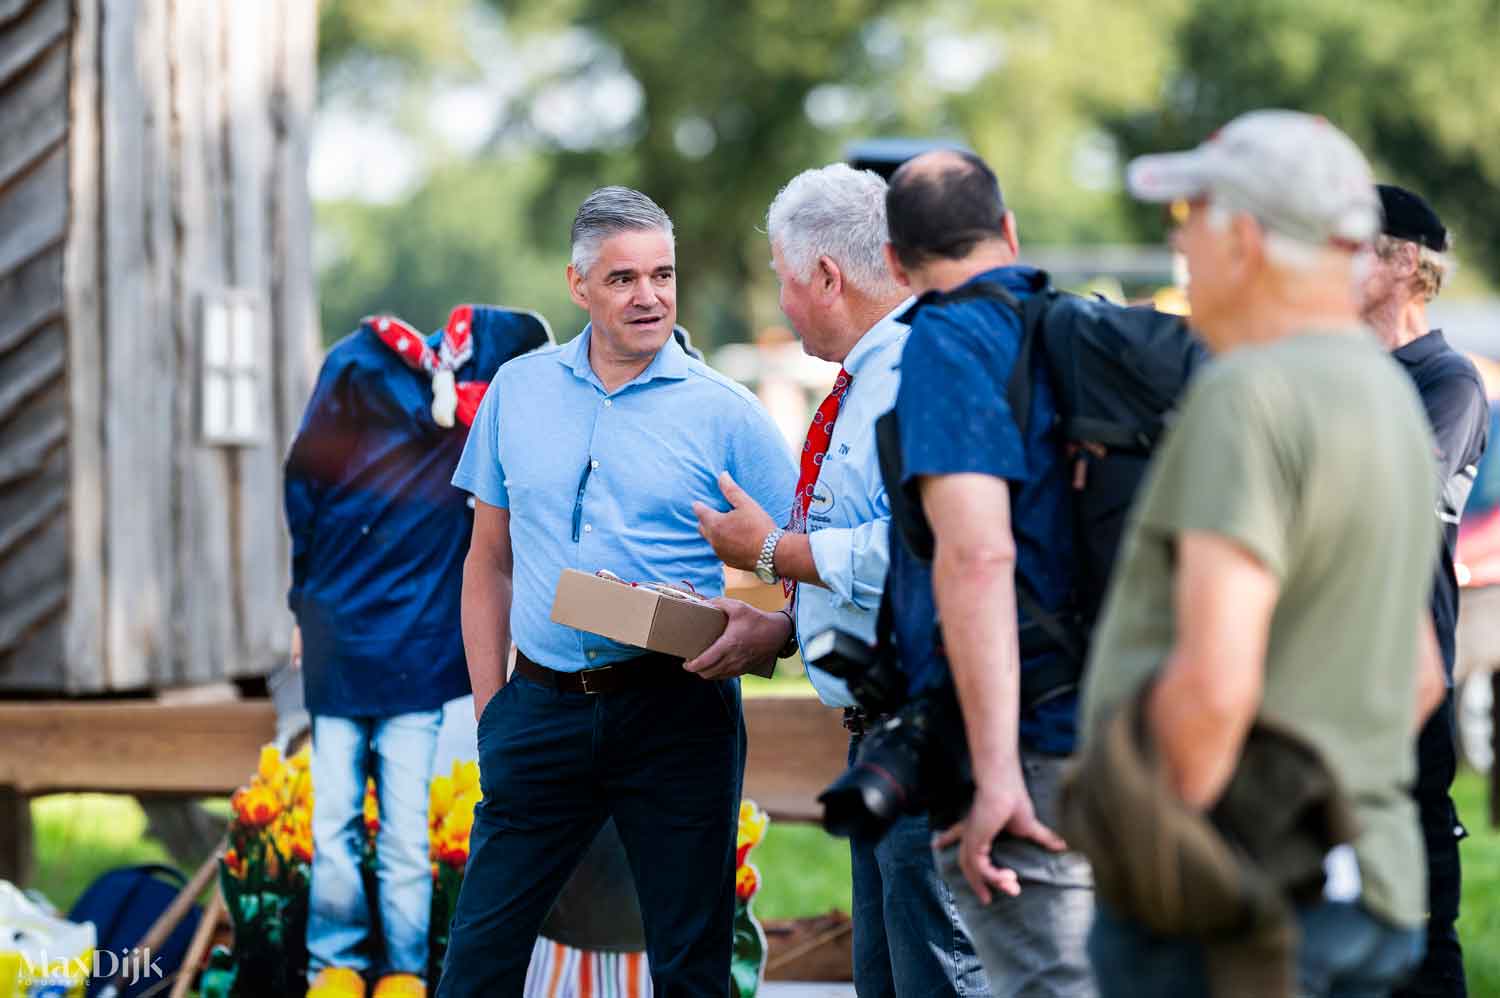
[(666, 762), (1441, 974)]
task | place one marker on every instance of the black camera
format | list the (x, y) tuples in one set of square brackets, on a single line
[(912, 760)]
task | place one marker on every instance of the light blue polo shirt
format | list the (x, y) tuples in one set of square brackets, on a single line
[(651, 447)]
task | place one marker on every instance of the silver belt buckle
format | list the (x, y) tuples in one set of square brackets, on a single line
[(583, 677)]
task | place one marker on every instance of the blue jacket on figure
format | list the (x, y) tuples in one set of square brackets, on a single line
[(378, 533)]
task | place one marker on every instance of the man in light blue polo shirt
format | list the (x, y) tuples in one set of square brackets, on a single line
[(827, 230), (589, 456)]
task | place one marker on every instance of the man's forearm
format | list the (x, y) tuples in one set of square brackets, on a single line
[(976, 602), (1199, 732), (486, 627), (794, 559)]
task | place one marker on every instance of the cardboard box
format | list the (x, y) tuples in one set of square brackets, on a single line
[(635, 615)]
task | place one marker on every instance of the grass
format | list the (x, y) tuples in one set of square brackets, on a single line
[(803, 870)]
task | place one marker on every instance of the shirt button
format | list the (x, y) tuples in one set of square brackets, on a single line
[(608, 403), (594, 465), (588, 528), (365, 529), (593, 655)]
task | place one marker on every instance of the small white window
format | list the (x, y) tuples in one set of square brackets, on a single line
[(233, 369)]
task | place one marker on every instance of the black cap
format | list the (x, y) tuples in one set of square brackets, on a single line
[(883, 156), (1408, 216)]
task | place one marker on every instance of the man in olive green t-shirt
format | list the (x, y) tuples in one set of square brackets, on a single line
[(1277, 565)]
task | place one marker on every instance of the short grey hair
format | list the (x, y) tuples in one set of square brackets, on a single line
[(838, 212), (608, 212)]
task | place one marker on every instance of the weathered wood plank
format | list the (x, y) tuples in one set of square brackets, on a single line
[(294, 290), (137, 401), (26, 37), (259, 573), (33, 295), (12, 9), (55, 746), (84, 627), (294, 318), (26, 459), (31, 368), (34, 112), (34, 529), (15, 836), (796, 748), (19, 617), (201, 590), (34, 211)]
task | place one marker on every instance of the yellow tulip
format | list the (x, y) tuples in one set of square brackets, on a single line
[(465, 777), (270, 765), (753, 822), (440, 797), (459, 823)]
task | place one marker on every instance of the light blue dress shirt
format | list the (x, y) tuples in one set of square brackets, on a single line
[(597, 479), (850, 517)]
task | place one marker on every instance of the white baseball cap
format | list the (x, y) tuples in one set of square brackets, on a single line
[(1295, 172)]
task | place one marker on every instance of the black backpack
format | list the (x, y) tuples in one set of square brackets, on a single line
[(1116, 374)]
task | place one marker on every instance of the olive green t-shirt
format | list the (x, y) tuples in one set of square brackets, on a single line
[(1313, 453)]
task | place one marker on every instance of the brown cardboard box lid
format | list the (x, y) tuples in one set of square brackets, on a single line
[(635, 615)]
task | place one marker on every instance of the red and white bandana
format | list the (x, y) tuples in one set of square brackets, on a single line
[(449, 400)]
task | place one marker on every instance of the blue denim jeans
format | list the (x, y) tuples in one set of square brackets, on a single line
[(397, 751), (1345, 952), (908, 939), (665, 762)]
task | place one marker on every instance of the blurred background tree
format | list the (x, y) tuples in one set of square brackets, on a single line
[(457, 138), (1414, 85)]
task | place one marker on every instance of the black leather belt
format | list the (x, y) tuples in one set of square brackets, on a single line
[(650, 669)]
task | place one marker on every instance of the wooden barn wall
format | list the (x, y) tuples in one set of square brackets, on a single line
[(176, 135), (33, 341)]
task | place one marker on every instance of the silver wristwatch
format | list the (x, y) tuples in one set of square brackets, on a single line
[(765, 568)]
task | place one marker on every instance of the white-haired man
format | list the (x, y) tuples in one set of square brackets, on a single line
[(827, 230), (1277, 566)]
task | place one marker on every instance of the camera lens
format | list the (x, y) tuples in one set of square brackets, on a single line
[(862, 803)]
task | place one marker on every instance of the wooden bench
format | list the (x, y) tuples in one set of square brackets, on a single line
[(797, 747)]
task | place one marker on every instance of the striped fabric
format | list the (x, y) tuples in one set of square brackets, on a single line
[(559, 971)]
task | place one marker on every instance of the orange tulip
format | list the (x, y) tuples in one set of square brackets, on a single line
[(372, 808), (235, 863), (255, 806), (746, 882)]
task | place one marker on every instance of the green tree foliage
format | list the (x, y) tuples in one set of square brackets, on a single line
[(721, 127), (463, 236), (1413, 84), (390, 36)]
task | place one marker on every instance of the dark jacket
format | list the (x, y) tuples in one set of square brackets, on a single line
[(378, 533), (1229, 879)]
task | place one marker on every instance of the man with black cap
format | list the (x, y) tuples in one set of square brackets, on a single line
[(1408, 271)]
